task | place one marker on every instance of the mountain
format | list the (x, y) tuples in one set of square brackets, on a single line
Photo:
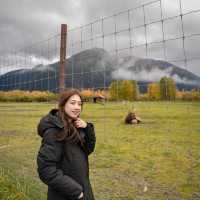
[(152, 70), (96, 68), (148, 70)]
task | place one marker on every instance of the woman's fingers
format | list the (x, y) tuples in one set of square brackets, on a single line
[(79, 123)]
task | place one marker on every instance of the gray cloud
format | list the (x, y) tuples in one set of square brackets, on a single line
[(26, 22), (153, 76)]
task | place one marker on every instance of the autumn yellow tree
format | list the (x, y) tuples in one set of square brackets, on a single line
[(167, 88), (124, 90), (153, 91), (114, 90), (136, 91), (87, 94)]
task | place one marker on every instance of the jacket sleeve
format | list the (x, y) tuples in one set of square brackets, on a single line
[(90, 138), (48, 158)]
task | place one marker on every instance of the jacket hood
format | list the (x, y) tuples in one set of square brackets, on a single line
[(51, 120)]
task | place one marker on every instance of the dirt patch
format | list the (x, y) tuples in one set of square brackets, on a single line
[(132, 186), (8, 133), (18, 110), (2, 106), (4, 146)]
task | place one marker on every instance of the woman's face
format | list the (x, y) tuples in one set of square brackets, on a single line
[(73, 107)]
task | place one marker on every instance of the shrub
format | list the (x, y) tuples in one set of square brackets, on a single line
[(27, 96)]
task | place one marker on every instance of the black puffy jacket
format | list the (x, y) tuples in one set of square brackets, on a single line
[(63, 166)]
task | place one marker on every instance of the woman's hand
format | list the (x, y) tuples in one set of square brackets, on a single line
[(79, 123)]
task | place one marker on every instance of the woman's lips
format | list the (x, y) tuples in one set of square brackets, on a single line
[(75, 113)]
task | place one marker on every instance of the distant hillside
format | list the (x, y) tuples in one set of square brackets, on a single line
[(96, 68)]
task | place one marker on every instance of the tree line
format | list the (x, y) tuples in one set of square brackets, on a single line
[(118, 90), (165, 89)]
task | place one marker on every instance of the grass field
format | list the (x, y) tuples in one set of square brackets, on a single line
[(155, 160)]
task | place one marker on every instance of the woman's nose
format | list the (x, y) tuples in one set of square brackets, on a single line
[(77, 106)]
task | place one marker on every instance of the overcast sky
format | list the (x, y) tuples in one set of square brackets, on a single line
[(25, 22)]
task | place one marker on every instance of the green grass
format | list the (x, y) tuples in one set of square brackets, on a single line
[(11, 188), (157, 159)]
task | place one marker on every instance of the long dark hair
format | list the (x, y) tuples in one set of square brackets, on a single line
[(70, 132)]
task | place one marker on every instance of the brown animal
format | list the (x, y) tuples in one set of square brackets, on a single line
[(99, 98), (132, 118)]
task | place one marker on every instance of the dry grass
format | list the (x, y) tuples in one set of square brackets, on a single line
[(158, 159)]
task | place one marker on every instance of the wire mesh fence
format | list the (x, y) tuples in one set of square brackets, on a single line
[(156, 159), (112, 45), (31, 68)]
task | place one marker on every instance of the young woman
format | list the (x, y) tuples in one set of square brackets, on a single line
[(67, 141)]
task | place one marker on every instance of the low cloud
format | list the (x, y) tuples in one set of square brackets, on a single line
[(150, 76)]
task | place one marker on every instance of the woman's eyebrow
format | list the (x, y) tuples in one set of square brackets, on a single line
[(76, 101)]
